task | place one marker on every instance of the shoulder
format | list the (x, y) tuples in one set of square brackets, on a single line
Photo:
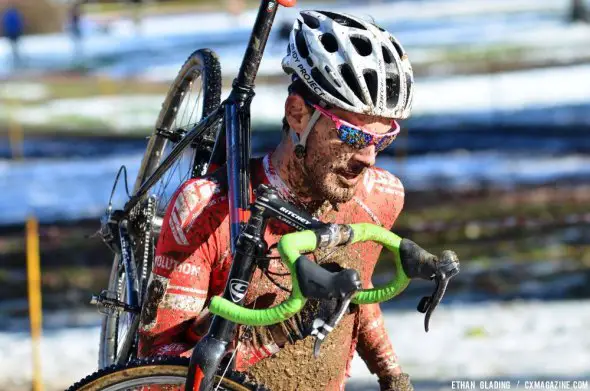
[(380, 181), (195, 210)]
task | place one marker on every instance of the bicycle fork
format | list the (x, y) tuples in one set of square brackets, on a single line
[(211, 349)]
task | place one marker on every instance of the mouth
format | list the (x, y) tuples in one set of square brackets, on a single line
[(349, 178)]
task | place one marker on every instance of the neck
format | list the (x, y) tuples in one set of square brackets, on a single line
[(292, 171)]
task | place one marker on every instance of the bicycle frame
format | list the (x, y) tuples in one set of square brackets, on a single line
[(247, 222), (210, 351)]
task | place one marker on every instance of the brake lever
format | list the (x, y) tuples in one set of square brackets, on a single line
[(321, 329), (428, 304)]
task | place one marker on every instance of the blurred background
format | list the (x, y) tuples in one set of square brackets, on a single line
[(495, 161)]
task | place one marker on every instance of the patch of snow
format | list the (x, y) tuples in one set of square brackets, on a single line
[(22, 91), (483, 341)]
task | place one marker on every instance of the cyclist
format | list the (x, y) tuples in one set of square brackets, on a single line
[(13, 26), (351, 81)]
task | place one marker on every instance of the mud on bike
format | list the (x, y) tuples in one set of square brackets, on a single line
[(195, 134), (309, 280)]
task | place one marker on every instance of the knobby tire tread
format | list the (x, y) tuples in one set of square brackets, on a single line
[(161, 361)]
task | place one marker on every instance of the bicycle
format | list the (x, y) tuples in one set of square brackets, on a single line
[(193, 148), (309, 280), (131, 233)]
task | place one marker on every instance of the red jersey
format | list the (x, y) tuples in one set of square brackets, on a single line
[(192, 263)]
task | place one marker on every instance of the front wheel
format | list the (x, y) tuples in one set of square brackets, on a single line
[(157, 374)]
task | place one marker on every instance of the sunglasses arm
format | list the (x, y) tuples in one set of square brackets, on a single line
[(300, 145)]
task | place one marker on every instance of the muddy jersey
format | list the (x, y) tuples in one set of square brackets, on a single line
[(192, 263)]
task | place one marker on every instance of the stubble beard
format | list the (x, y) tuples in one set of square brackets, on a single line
[(324, 184)]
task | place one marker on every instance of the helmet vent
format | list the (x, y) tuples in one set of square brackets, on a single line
[(350, 79), (310, 21), (392, 91), (329, 71), (408, 85), (343, 20), (397, 47), (362, 45), (301, 44), (326, 86), (387, 55), (370, 76), (329, 42)]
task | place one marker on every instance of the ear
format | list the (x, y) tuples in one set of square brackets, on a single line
[(297, 113)]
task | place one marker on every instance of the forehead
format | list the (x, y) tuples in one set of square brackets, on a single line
[(359, 119)]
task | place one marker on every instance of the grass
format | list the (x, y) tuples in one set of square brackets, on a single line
[(72, 86), (168, 7), (15, 99), (472, 225), (493, 52), (544, 203)]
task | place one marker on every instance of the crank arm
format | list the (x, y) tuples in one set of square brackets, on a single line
[(108, 303)]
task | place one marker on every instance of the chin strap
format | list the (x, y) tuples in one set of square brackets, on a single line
[(301, 141)]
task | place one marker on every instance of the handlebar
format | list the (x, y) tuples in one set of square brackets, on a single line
[(290, 248)]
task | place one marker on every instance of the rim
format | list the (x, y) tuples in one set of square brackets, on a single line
[(189, 111)]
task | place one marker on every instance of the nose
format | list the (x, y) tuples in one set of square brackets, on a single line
[(366, 156)]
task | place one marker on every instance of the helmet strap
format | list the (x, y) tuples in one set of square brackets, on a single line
[(301, 141)]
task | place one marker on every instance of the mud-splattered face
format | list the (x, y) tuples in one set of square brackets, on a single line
[(334, 168)]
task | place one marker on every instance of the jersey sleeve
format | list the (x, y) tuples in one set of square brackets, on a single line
[(181, 270), (386, 199), (374, 345)]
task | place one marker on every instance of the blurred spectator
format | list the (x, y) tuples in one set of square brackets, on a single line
[(235, 9), (136, 16), (579, 12), (285, 30), (75, 16), (12, 28)]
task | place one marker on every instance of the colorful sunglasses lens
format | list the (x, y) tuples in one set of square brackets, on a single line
[(354, 137), (385, 142), (357, 138)]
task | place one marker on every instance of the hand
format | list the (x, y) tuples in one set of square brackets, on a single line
[(399, 382), (419, 263)]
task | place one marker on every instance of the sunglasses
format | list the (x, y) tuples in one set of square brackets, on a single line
[(357, 137)]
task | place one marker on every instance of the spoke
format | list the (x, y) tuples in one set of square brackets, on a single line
[(186, 100), (233, 355), (196, 103)]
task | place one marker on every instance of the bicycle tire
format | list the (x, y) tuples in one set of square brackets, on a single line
[(203, 64), (167, 372)]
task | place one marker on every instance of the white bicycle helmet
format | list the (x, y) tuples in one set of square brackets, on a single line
[(351, 64)]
